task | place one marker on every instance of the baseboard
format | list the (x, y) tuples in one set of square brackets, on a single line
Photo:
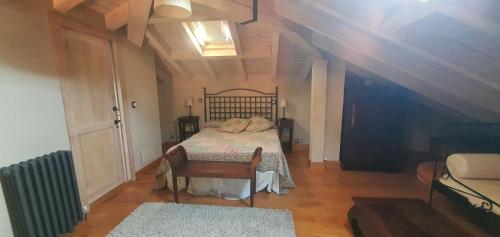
[(148, 163)]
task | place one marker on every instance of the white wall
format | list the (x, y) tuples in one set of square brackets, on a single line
[(166, 103), (295, 90), (32, 121), (334, 108), (140, 79), (318, 110)]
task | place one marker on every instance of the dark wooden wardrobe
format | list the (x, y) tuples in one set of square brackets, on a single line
[(372, 124)]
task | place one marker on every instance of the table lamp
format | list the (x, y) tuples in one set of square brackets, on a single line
[(283, 105), (189, 103)]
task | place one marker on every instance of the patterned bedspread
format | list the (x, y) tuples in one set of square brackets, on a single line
[(213, 145)]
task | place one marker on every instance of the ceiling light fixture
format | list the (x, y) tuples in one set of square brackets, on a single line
[(178, 9)]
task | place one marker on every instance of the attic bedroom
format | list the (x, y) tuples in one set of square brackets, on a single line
[(249, 118)]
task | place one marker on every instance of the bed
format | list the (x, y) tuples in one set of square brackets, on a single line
[(464, 138), (473, 181), (475, 177), (210, 144)]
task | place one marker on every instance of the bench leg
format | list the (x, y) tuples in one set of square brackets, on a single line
[(176, 192), (252, 190), (187, 182)]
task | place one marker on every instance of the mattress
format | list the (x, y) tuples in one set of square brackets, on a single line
[(489, 188), (211, 144)]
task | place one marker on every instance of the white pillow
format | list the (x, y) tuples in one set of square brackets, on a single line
[(213, 124), (474, 166), (234, 125), (259, 124)]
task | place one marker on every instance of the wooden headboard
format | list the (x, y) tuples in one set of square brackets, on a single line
[(228, 104)]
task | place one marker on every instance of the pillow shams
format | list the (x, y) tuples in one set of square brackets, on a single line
[(234, 125), (213, 124), (259, 124)]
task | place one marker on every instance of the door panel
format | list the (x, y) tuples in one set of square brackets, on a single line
[(89, 93), (94, 146), (372, 125)]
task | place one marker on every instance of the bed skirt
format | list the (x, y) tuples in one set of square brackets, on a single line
[(231, 189)]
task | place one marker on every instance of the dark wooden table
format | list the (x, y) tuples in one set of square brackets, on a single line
[(285, 126), (188, 126), (400, 217)]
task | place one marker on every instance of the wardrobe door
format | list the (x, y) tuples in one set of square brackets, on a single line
[(359, 127), (372, 125), (390, 125)]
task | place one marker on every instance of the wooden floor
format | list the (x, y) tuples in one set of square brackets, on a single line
[(319, 202)]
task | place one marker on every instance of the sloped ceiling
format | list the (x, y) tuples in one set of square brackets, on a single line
[(445, 50), (439, 49)]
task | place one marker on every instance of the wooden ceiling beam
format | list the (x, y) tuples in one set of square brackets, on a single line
[(65, 5), (375, 35), (156, 35), (274, 55), (430, 68), (241, 68), (138, 15), (307, 69), (200, 13), (117, 17), (361, 12), (254, 53), (233, 28), (209, 68), (157, 20), (410, 13), (405, 15), (87, 15), (164, 53), (400, 76), (472, 19), (163, 75)]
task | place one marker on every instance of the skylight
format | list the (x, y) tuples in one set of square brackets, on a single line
[(211, 38)]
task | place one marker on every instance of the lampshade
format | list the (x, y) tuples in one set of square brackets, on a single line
[(283, 103), (173, 8), (189, 102)]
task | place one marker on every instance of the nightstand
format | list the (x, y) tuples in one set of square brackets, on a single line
[(286, 134), (188, 126)]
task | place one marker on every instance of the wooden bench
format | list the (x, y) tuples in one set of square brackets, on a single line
[(181, 166)]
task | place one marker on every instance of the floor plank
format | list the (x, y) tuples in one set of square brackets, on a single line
[(319, 203)]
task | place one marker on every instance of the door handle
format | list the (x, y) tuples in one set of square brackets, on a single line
[(117, 112)]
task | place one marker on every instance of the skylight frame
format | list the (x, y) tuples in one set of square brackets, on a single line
[(197, 34)]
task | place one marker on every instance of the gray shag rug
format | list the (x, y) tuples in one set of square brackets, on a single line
[(170, 219)]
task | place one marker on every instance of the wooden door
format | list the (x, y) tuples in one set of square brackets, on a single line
[(91, 105)]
